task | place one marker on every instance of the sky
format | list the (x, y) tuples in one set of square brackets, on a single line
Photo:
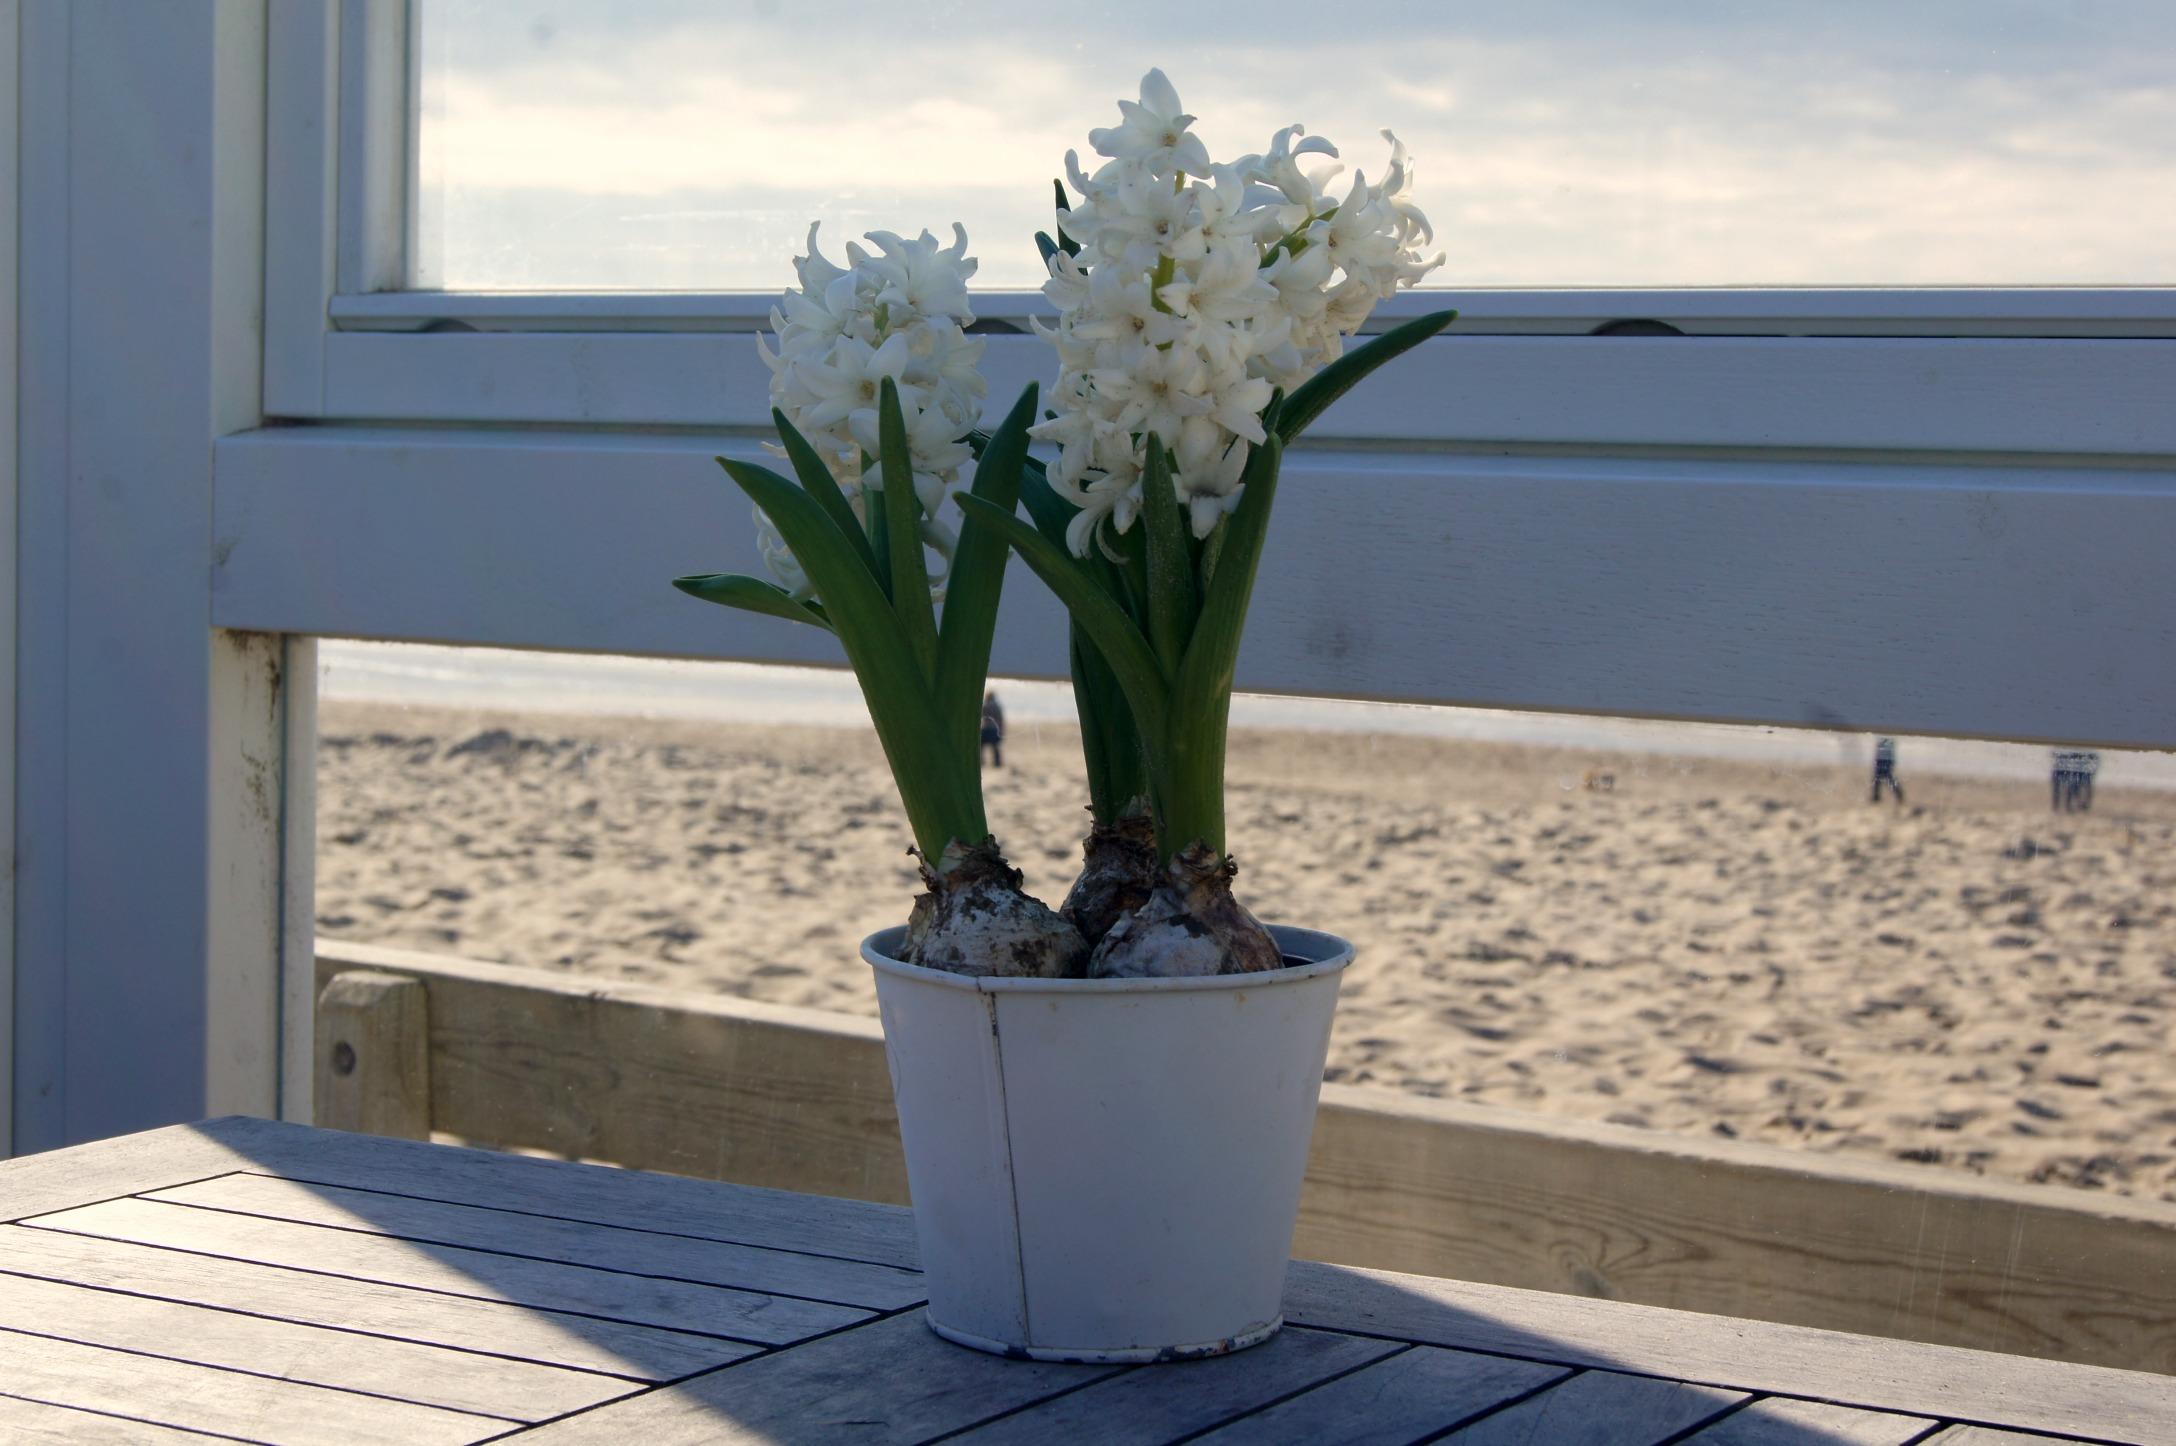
[(687, 144)]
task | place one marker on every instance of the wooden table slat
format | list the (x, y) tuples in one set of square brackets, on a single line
[(172, 1393), (35, 1423), (891, 1381), (482, 1275), (1600, 1408), (606, 1247), (1406, 1397), (1757, 1356), (523, 1333), (1968, 1435), (1144, 1408), (298, 1285), (706, 1209), (1782, 1421), (427, 1375)]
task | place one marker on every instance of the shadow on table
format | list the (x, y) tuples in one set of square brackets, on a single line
[(644, 1276)]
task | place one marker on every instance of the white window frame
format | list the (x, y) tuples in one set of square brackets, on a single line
[(1932, 470), (1989, 369)]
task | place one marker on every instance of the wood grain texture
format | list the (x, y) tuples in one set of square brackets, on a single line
[(1600, 1408), (1408, 1397), (1756, 1356), (479, 1274), (374, 1055), (399, 1369), (889, 1381), (801, 1100), (1471, 1193), (35, 1423), (102, 1169), (1149, 1407), (655, 1080), (520, 1333), (1960, 599), (257, 1408), (513, 1231), (1783, 1421), (700, 1208)]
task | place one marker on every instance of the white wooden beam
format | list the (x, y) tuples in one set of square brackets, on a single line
[(301, 189), (1999, 601), (2054, 311), (10, 38), (376, 174), (1977, 394), (143, 284)]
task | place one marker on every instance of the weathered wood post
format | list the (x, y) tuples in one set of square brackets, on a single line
[(374, 1055)]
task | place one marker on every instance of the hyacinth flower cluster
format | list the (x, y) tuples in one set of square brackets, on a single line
[(874, 391), (899, 314), (1203, 316), (1188, 291)]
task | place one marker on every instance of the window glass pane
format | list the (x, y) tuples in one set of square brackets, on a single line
[(1963, 961), (686, 145)]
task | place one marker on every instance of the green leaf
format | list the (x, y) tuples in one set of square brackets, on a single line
[(1100, 616), (978, 578), (902, 514), (753, 595), (1071, 247), (817, 481), (943, 800), (880, 535), (1192, 801), (1171, 602), (1315, 394)]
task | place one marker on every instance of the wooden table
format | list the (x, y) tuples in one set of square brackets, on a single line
[(273, 1283)]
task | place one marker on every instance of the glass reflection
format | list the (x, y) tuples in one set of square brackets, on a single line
[(672, 144)]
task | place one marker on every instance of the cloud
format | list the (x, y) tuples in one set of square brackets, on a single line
[(680, 145)]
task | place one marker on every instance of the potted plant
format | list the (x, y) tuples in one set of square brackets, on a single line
[(1106, 1108)]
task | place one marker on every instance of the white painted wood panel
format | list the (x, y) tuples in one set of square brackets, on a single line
[(41, 580), (301, 193), (2073, 311), (2005, 602), (373, 108), (298, 882), (10, 37), (242, 878), (1978, 395), (142, 274)]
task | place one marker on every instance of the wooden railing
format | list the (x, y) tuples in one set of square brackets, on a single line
[(800, 1100)]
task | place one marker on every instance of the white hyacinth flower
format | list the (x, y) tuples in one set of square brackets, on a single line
[(1198, 290), (898, 313)]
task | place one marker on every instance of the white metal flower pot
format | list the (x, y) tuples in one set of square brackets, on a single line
[(1107, 1169)]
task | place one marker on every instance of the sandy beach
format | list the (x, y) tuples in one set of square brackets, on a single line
[(1724, 948)]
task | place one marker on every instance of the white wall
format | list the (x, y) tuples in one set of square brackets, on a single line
[(141, 206)]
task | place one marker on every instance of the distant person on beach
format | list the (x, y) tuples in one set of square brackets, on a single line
[(1885, 770), (2070, 784), (993, 729)]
